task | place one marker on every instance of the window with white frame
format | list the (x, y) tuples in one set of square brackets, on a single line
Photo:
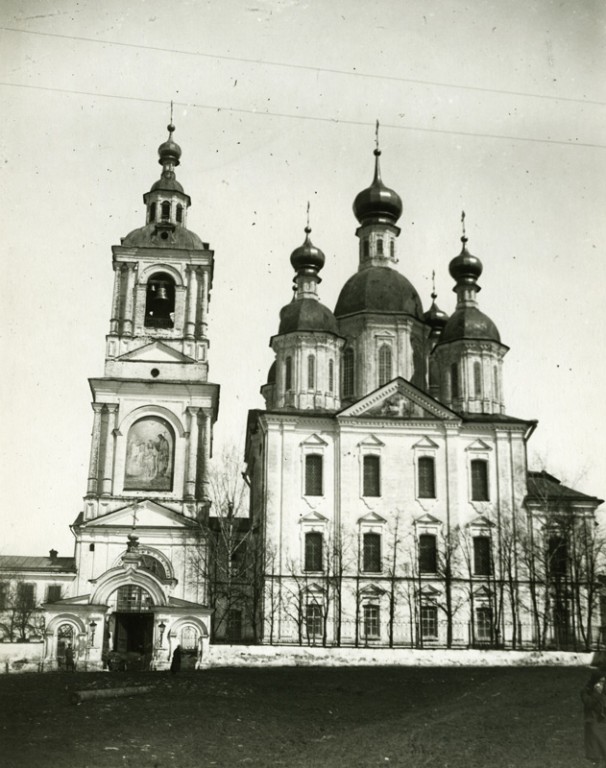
[(429, 622), (311, 372), (371, 485), (348, 372), (371, 621), (313, 620), (428, 553), (483, 624), (479, 480), (371, 552), (385, 364), (426, 479), (313, 474), (482, 556), (314, 545)]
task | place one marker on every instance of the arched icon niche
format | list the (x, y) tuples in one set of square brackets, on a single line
[(150, 453)]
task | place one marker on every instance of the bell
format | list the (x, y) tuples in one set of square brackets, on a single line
[(161, 292)]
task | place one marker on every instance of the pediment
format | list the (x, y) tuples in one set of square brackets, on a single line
[(427, 520), (425, 442), (430, 592), (480, 522), (313, 517), (483, 592), (478, 445), (155, 352), (314, 589), (371, 441), (142, 514), (371, 590), (399, 399), (372, 518), (314, 440)]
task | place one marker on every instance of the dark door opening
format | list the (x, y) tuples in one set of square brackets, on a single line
[(134, 633)]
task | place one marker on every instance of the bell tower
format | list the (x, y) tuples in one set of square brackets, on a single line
[(154, 408)]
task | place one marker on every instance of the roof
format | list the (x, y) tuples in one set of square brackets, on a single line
[(379, 289), (545, 487), (151, 236), (307, 315), (469, 323), (32, 563)]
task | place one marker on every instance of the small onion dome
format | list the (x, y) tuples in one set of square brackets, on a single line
[(377, 201), (151, 237), (307, 315), (169, 151), (435, 317), (465, 268), (307, 257), (271, 374), (471, 324), (379, 289)]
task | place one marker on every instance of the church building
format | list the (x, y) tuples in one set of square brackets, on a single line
[(389, 481)]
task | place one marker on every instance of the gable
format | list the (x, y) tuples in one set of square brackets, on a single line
[(478, 445), (399, 399), (143, 514), (156, 352), (314, 441)]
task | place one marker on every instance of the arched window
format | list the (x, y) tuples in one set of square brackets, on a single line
[(348, 372), (454, 381), (477, 379), (133, 599), (150, 451), (65, 639), (288, 374), (153, 565), (189, 638), (160, 301), (179, 213), (152, 212), (384, 364), (380, 246), (165, 210), (331, 375), (311, 372)]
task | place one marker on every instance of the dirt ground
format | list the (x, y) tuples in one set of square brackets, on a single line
[(298, 718)]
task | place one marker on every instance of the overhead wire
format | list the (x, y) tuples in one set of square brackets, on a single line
[(307, 67), (288, 116)]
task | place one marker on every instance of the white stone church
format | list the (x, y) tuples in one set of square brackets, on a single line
[(390, 499)]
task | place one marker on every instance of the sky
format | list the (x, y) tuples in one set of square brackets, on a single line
[(494, 108)]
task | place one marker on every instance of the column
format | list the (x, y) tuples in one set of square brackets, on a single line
[(192, 456), (93, 467), (127, 321), (115, 318), (204, 456), (192, 302), (108, 463), (204, 304)]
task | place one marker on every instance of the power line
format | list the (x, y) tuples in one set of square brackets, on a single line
[(287, 116), (307, 67)]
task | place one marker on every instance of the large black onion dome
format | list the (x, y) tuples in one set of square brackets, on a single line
[(151, 236), (470, 324), (307, 256), (465, 267), (435, 317), (169, 151), (377, 201), (379, 289), (307, 315)]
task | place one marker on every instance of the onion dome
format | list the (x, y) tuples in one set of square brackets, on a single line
[(377, 202), (169, 152), (151, 237), (307, 315), (435, 317), (379, 289), (271, 374), (465, 268), (471, 324), (167, 184), (307, 258)]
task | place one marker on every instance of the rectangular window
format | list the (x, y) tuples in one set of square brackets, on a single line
[(313, 620), (372, 476), (428, 555), (479, 480), (3, 596), (53, 593), (481, 556), (26, 595), (313, 552), (372, 553), (557, 556), (427, 478), (371, 621), (311, 372), (313, 475), (429, 622), (484, 624)]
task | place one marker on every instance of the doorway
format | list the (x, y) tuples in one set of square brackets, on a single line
[(134, 633)]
